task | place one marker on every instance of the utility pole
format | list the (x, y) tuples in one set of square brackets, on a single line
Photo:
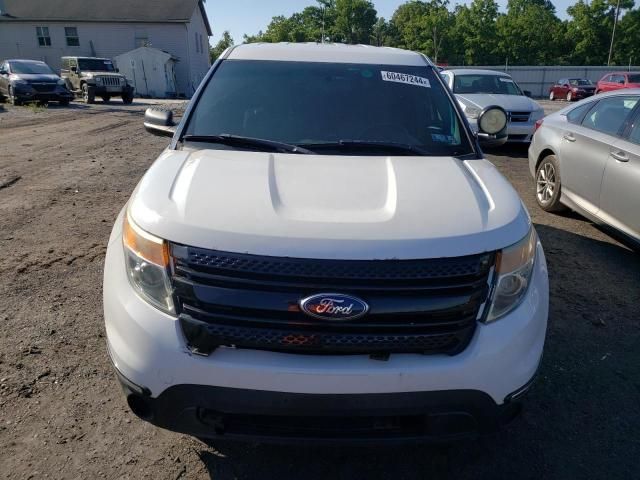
[(323, 12), (613, 33)]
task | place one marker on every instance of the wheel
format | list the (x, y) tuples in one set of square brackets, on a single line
[(569, 96), (127, 99), (64, 103), (88, 94), (13, 99), (548, 185), (106, 98), (597, 92), (552, 96)]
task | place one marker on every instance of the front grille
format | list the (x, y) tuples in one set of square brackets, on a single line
[(519, 117), (249, 301), (110, 81), (44, 87)]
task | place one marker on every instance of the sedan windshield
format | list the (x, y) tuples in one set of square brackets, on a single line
[(31, 68), (95, 65), (329, 108), (485, 83), (580, 82)]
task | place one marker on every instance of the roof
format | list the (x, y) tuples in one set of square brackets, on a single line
[(327, 52), (22, 60), (136, 11), (476, 71)]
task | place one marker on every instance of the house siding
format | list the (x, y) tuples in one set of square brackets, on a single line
[(19, 40)]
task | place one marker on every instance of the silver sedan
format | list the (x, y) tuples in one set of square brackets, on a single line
[(587, 157)]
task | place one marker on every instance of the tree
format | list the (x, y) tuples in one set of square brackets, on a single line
[(423, 26), (526, 33), (474, 33), (225, 42), (354, 21), (380, 34), (626, 49)]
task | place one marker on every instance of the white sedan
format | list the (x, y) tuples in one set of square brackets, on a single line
[(478, 89)]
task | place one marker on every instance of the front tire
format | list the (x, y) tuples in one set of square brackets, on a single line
[(88, 93), (64, 103), (552, 96), (13, 100), (548, 185), (127, 99)]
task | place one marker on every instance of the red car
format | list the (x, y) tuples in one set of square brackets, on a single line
[(571, 89), (618, 80)]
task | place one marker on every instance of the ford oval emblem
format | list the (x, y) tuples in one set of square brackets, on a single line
[(334, 306)]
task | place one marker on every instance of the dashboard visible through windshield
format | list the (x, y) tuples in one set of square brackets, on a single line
[(493, 84), (329, 108)]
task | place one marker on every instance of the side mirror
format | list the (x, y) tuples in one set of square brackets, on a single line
[(159, 122), (492, 127), (74, 69), (527, 93), (117, 70)]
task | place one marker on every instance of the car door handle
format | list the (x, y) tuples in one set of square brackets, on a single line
[(569, 137), (620, 156)]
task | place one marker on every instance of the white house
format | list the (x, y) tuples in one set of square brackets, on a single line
[(49, 29)]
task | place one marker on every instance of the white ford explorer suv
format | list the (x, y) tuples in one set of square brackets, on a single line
[(322, 252)]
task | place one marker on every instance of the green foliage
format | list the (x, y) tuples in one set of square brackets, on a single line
[(225, 42), (475, 34)]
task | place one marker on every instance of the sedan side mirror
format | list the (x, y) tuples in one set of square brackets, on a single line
[(159, 122), (527, 93)]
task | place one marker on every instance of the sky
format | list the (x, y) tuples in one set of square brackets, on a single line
[(250, 16)]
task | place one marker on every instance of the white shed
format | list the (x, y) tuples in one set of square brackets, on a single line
[(151, 71)]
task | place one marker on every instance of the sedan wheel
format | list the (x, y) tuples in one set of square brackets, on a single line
[(569, 96), (552, 96), (548, 185)]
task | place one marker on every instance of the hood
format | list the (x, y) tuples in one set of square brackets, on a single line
[(516, 103), (336, 207), (50, 78)]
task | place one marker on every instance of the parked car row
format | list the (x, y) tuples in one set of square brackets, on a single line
[(23, 81), (572, 89)]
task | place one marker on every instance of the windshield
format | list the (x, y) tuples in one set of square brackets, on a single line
[(31, 68), (485, 83), (95, 65), (633, 78), (580, 81), (305, 103)]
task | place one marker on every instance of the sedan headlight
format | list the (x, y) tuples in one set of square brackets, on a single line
[(16, 80), (147, 264), (61, 83), (472, 112), (514, 268)]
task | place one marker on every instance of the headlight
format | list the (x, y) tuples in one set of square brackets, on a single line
[(61, 82), (122, 81), (16, 80), (98, 79), (472, 112), (147, 262), (514, 268), (492, 120)]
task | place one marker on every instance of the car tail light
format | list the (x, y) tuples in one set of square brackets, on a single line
[(537, 125)]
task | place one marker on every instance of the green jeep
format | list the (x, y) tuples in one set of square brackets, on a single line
[(91, 77)]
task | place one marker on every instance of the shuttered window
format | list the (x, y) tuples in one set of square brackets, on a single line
[(71, 33), (44, 40)]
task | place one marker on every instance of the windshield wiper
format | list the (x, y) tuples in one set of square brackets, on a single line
[(369, 145), (239, 141)]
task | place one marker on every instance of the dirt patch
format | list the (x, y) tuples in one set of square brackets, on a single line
[(63, 414)]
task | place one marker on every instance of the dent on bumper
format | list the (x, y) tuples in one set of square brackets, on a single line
[(148, 348)]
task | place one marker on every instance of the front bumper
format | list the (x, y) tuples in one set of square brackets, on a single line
[(148, 350), (26, 93), (126, 90)]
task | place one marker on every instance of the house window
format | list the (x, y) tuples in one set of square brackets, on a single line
[(72, 36), (44, 40)]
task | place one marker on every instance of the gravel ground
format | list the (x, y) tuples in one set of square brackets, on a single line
[(64, 175)]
